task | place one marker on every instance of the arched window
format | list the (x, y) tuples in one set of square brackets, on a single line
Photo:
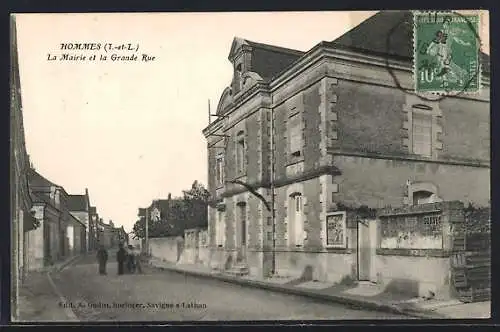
[(421, 197), (422, 193)]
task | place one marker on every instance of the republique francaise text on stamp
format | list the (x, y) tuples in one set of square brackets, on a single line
[(446, 51)]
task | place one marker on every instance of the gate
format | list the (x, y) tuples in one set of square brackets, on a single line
[(471, 258)]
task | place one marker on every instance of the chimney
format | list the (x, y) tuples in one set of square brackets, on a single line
[(169, 196), (86, 192)]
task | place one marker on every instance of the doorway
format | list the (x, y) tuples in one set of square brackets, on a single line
[(243, 232), (366, 249)]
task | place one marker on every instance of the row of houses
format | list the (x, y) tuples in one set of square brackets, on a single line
[(68, 224), (48, 224), (325, 163)]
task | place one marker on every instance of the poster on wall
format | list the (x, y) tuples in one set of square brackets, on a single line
[(336, 230)]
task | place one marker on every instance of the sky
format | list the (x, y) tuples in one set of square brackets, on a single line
[(131, 132)]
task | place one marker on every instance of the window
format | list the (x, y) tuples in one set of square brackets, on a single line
[(336, 230), (421, 197), (296, 223), (298, 204), (422, 134), (219, 164), (239, 73), (295, 135), (240, 152)]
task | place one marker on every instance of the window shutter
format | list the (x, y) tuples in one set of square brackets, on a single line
[(295, 139)]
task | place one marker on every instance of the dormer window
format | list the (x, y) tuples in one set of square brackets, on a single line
[(239, 73), (240, 152)]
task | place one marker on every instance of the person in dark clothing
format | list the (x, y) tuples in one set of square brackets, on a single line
[(130, 259), (121, 256), (102, 258)]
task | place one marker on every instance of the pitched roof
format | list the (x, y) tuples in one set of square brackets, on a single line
[(77, 202), (77, 220), (268, 60), (37, 180), (41, 198), (386, 33)]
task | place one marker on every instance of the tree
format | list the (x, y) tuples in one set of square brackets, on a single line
[(139, 229), (176, 214), (197, 192), (196, 202)]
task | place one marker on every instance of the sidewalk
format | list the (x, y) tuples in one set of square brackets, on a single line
[(39, 299), (363, 295)]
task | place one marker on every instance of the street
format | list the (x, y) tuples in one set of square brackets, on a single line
[(168, 296)]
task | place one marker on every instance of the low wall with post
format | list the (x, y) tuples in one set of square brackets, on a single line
[(167, 249)]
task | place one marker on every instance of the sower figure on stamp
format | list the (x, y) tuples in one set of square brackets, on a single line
[(121, 256), (441, 48), (102, 258)]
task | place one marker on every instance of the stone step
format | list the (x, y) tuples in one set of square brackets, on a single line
[(239, 270)]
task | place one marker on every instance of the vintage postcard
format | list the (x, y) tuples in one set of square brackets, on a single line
[(201, 167)]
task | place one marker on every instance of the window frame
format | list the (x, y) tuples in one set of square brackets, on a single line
[(423, 115), (219, 170), (293, 151), (298, 220)]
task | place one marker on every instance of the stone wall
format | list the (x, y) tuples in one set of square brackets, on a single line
[(35, 242), (377, 182), (166, 248)]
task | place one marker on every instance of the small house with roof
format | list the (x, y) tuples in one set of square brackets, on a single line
[(79, 207)]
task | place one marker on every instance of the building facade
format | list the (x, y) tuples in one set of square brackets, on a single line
[(317, 135), (44, 241), (22, 220), (79, 207)]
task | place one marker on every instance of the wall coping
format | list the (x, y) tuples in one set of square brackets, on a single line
[(436, 207), (435, 253)]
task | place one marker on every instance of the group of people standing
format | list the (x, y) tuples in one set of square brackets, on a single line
[(128, 258)]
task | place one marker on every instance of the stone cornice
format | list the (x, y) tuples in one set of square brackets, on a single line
[(283, 181), (402, 157)]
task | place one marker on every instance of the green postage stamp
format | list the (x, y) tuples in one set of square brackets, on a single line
[(446, 52)]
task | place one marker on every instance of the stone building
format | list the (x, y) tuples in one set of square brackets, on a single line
[(55, 195), (79, 207), (322, 133), (44, 241)]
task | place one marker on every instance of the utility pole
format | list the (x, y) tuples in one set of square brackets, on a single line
[(273, 214), (147, 231)]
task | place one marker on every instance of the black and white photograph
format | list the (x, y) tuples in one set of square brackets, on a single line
[(250, 166)]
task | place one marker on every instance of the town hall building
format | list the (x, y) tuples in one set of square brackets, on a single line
[(303, 139)]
